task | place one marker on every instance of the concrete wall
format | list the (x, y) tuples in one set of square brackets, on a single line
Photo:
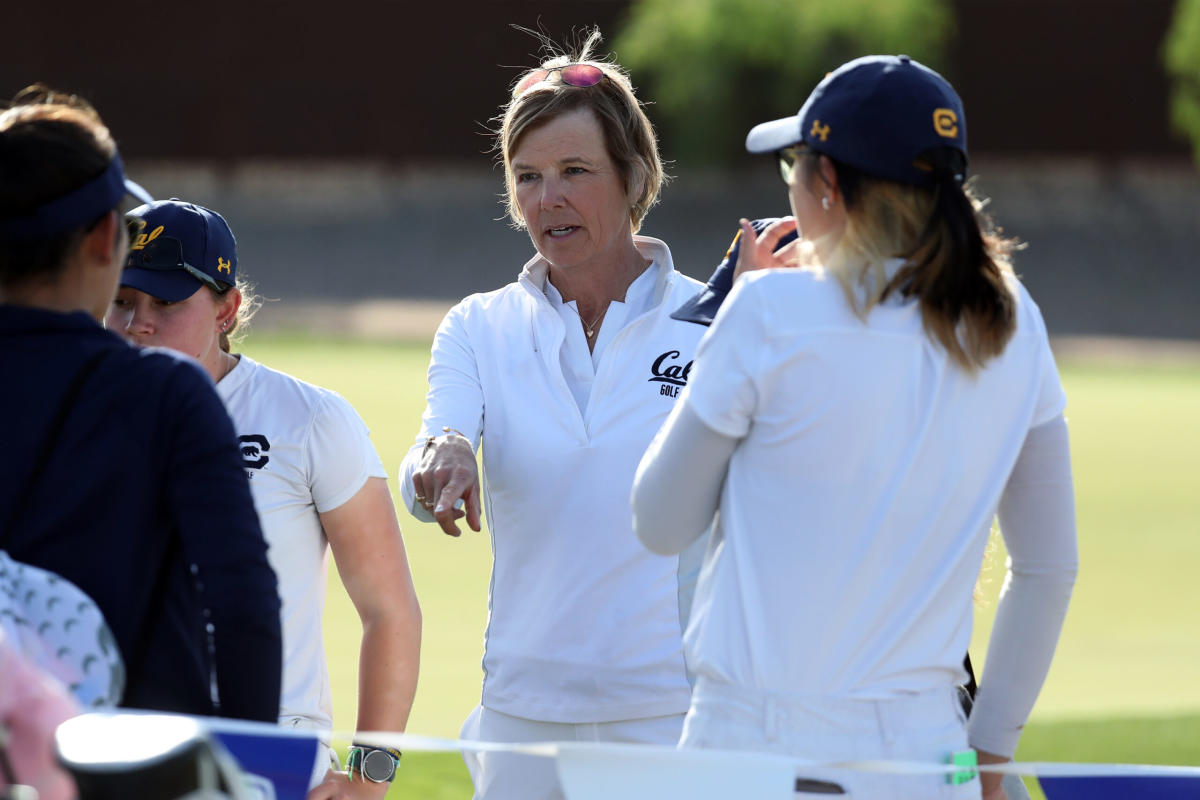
[(1112, 250)]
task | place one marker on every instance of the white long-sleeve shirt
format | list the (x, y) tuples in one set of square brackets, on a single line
[(584, 622), (858, 472)]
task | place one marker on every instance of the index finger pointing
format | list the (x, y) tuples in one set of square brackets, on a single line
[(445, 511)]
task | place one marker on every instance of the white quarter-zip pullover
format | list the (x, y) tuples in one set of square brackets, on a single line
[(584, 622)]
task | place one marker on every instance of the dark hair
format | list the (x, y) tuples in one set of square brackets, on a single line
[(957, 261), (50, 144)]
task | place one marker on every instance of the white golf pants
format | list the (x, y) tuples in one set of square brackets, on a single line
[(925, 727), (508, 776)]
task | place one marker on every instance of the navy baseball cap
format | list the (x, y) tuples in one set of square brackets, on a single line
[(178, 247), (702, 308), (876, 113)]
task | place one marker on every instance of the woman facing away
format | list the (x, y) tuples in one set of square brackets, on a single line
[(563, 377), (317, 483), (855, 425), (119, 470)]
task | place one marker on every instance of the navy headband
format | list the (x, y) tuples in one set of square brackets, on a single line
[(77, 207)]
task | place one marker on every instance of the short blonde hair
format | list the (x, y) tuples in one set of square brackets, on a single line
[(628, 134)]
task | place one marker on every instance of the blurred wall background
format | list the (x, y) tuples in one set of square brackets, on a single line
[(347, 143)]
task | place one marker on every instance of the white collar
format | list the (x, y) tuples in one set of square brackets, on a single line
[(638, 293), (533, 275)]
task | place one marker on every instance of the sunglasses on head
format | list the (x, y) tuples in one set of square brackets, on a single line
[(163, 253), (580, 75)]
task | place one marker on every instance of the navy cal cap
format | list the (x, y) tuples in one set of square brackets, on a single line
[(178, 247), (876, 113), (702, 308)]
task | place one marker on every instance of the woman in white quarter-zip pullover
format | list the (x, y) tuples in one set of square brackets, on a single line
[(563, 377)]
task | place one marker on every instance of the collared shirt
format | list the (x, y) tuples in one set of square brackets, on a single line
[(579, 365), (584, 622)]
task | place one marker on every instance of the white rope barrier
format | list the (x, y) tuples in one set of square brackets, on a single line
[(412, 743), (603, 770)]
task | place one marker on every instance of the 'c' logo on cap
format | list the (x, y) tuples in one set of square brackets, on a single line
[(222, 265), (819, 130), (945, 122)]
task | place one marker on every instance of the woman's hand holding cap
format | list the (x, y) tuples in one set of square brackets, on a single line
[(757, 250)]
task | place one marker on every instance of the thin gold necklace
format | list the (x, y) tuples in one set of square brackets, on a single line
[(589, 330)]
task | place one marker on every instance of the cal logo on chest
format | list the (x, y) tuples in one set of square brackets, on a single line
[(254, 448), (670, 371)]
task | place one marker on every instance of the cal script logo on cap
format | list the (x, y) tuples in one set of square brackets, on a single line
[(144, 239), (945, 122)]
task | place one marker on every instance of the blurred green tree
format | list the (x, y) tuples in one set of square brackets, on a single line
[(1181, 53), (711, 69)]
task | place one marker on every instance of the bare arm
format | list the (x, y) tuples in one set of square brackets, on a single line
[(369, 551)]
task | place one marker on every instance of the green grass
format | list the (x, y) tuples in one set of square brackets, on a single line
[(1123, 686), (1134, 623), (1113, 740)]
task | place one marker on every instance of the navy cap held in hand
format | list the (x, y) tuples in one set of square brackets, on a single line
[(702, 308)]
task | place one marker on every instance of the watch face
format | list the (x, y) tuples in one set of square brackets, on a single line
[(378, 766)]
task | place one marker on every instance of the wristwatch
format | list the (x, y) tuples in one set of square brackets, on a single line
[(376, 764)]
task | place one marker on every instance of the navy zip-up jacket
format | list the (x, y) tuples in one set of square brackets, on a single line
[(144, 506)]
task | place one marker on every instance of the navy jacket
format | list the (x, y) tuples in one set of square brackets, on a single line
[(145, 507)]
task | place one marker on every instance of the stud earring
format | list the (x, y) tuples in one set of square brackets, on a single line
[(825, 204)]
